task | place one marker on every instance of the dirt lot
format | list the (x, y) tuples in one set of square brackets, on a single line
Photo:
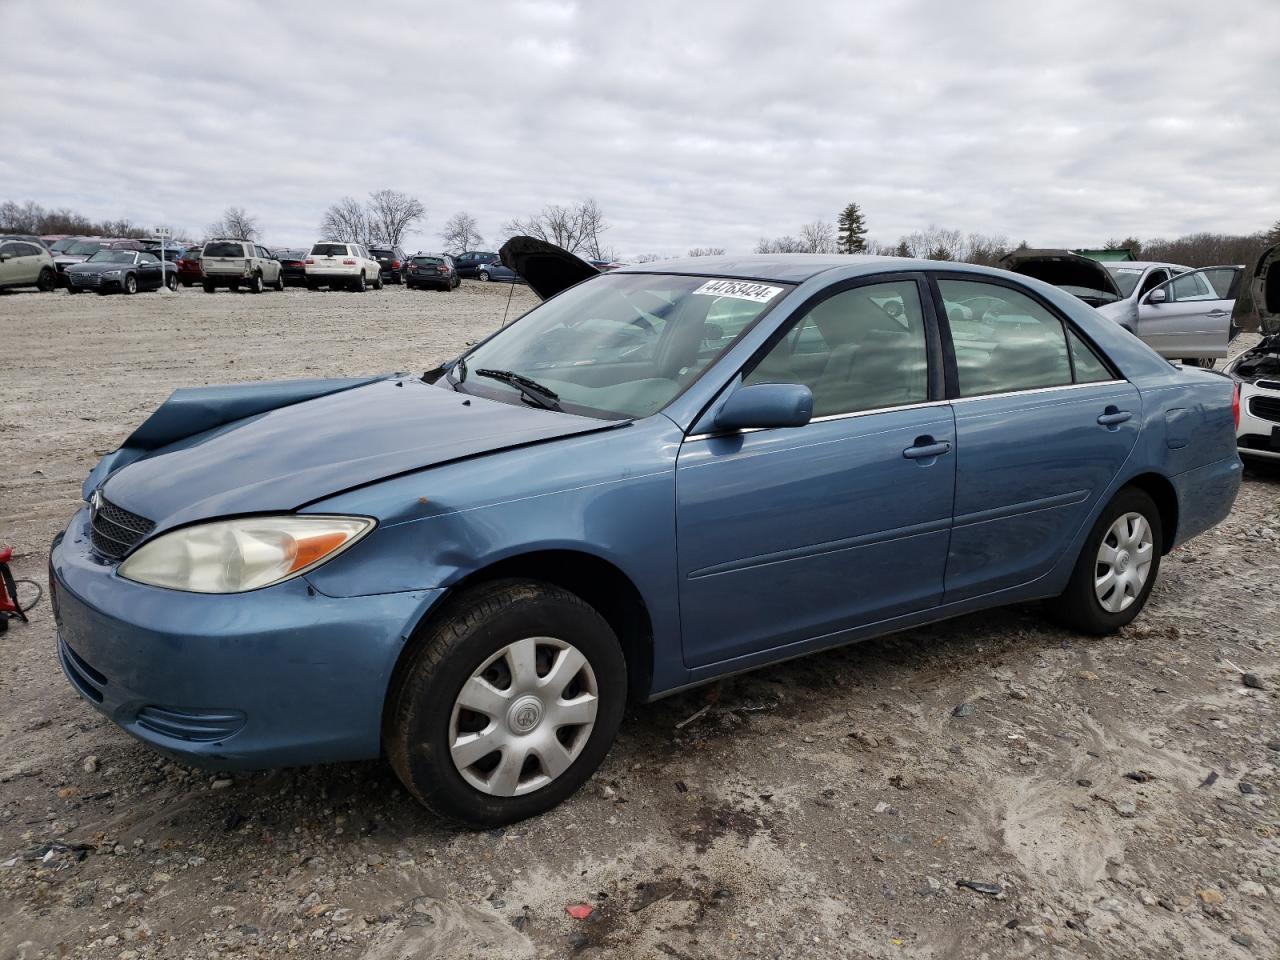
[(1119, 796)]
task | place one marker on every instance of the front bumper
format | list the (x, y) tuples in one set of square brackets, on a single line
[(276, 677), (1259, 432)]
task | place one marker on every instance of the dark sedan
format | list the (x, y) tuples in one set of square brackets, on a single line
[(293, 267), (126, 271), (470, 262), (431, 270)]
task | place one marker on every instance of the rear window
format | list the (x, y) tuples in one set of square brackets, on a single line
[(224, 250), (427, 261), (382, 252), (329, 250)]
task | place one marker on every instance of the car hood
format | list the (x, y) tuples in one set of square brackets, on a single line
[(98, 266), (547, 269), (1266, 290), (1062, 268), (285, 458), (66, 259)]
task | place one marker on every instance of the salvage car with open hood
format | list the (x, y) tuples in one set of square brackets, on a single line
[(658, 476), (1257, 370), (1181, 313)]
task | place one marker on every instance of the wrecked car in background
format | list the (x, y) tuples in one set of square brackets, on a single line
[(1257, 370), (1181, 313), (659, 476)]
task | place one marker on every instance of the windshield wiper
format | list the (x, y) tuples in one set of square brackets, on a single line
[(532, 390)]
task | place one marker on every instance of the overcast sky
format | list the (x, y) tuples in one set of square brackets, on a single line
[(692, 124)]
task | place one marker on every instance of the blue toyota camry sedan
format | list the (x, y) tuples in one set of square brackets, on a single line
[(658, 476)]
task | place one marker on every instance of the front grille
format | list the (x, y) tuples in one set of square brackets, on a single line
[(117, 531), (200, 726), (1265, 408), (85, 279)]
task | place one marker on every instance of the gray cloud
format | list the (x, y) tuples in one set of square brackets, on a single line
[(691, 124)]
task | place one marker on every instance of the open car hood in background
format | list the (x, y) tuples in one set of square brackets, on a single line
[(1266, 290), (547, 269), (1062, 268)]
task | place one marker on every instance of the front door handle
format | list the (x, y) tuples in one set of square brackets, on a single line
[(1112, 417), (1216, 313), (926, 448)]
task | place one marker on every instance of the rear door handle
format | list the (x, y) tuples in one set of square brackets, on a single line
[(1114, 416), (927, 449)]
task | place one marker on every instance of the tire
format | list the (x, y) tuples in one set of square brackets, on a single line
[(233, 287), (313, 287), (187, 284), (209, 287), (359, 286), (129, 285), (74, 290), (255, 283), (1080, 606), (47, 280), (483, 275), (278, 286), (171, 282), (377, 284), (476, 632)]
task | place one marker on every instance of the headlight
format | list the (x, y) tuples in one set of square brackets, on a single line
[(111, 273), (231, 556)]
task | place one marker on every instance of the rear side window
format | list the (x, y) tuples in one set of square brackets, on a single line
[(1004, 341), (329, 250), (1089, 366), (224, 250), (861, 349)]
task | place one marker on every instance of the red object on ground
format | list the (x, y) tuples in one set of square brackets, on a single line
[(579, 911), (8, 590)]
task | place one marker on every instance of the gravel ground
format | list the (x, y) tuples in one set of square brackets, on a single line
[(989, 787)]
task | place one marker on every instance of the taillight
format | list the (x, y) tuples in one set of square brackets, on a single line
[(348, 263), (442, 269), (311, 260), (412, 268), (1235, 404), (395, 264)]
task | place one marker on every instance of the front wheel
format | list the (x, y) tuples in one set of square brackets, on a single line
[(130, 284), (483, 275), (359, 285), (508, 703), (46, 281), (255, 283), (377, 284), (1116, 569)]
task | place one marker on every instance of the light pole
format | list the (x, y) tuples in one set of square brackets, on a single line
[(163, 232)]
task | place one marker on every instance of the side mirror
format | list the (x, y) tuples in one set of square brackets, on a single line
[(1158, 295), (763, 405)]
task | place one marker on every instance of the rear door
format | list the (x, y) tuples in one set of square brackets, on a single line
[(795, 534), (1043, 425), (1189, 317)]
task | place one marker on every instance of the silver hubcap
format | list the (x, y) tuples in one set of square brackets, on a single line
[(523, 717), (1124, 561)]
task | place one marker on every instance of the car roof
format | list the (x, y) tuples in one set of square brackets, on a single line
[(791, 267)]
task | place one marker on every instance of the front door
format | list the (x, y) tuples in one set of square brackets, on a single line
[(1043, 426), (1190, 315), (786, 535)]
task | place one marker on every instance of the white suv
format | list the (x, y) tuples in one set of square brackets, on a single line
[(334, 264), (24, 263), (233, 263)]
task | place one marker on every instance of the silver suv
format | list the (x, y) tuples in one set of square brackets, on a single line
[(236, 263)]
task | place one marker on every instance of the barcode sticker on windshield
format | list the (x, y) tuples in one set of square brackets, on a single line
[(739, 290)]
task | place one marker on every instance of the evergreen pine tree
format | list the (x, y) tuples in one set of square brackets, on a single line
[(852, 230)]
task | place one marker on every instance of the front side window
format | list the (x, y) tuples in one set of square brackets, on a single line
[(615, 346), (1153, 280), (860, 349), (1004, 340), (148, 258)]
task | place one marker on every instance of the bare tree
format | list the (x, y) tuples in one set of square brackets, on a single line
[(787, 244), (818, 237), (236, 224), (460, 233), (391, 214), (648, 257), (345, 221), (575, 228), (706, 252)]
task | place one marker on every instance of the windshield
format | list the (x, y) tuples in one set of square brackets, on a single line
[(1126, 278), (112, 256), (61, 246), (619, 346), (82, 248)]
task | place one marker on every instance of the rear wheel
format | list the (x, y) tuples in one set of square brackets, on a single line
[(507, 705), (1116, 569), (171, 282), (47, 280)]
